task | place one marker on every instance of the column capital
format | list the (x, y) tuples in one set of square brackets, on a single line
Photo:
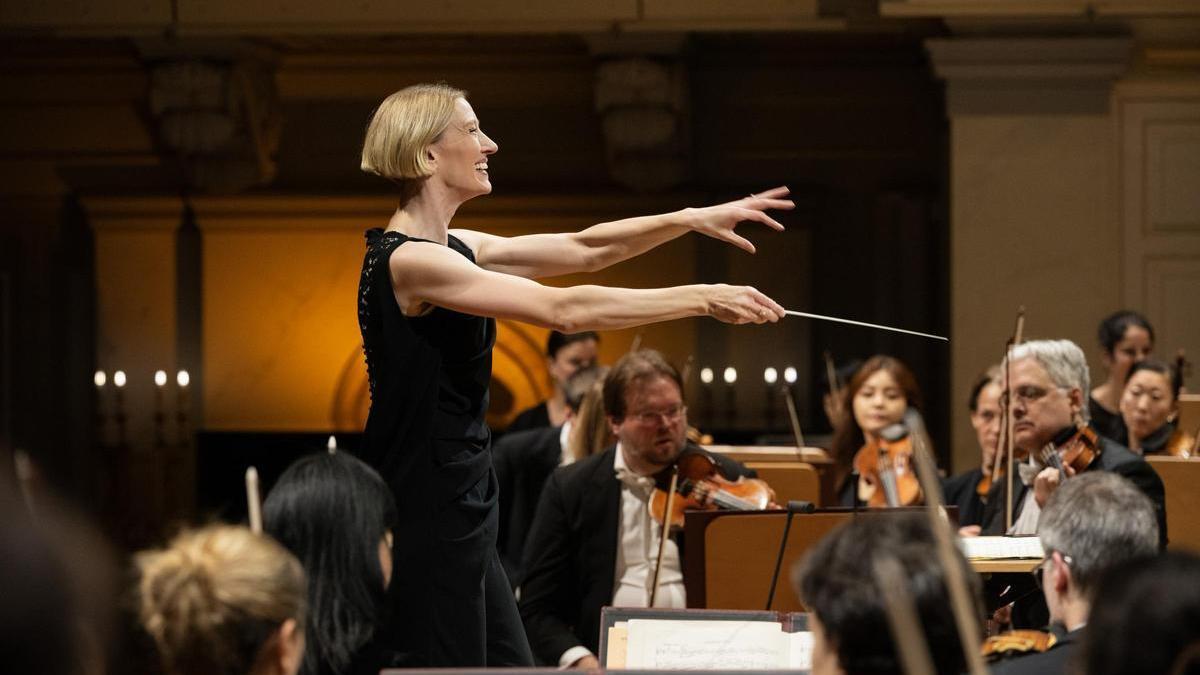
[(1029, 75)]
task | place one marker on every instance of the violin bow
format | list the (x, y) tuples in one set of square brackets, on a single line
[(964, 616), (666, 533), (636, 344), (795, 420), (835, 388), (253, 503), (1008, 420), (902, 616)]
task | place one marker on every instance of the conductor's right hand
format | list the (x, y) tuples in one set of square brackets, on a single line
[(741, 304)]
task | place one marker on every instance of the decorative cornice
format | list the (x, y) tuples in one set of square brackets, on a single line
[(1022, 76)]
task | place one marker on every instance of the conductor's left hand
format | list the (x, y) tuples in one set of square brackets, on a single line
[(720, 221)]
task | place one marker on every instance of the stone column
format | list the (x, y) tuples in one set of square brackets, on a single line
[(1033, 212)]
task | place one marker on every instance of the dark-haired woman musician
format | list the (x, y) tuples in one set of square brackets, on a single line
[(1126, 338), (877, 395)]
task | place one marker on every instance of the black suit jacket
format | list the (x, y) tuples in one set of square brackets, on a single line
[(523, 462), (571, 555), (960, 491), (1115, 458)]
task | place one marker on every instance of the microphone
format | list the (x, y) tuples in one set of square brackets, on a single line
[(794, 506)]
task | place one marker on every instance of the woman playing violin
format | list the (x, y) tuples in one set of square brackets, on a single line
[(877, 395), (1150, 408)]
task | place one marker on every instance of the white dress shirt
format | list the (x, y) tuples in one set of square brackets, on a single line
[(637, 553)]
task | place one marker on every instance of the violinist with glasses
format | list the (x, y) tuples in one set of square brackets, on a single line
[(1048, 381), (1150, 410), (594, 539)]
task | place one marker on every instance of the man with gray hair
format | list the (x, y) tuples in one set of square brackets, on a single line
[(1049, 383), (1090, 524)]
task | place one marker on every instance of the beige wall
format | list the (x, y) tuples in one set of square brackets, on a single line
[(1034, 224)]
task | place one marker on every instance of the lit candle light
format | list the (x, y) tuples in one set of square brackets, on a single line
[(331, 444), (789, 375), (100, 378), (119, 406), (730, 375), (770, 375), (160, 381), (181, 413), (706, 375)]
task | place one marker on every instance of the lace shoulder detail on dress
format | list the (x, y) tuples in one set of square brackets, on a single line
[(380, 244)]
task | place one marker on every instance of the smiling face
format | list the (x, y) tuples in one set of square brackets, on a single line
[(652, 433), (879, 402), (460, 155), (1147, 403), (1134, 346), (1041, 409)]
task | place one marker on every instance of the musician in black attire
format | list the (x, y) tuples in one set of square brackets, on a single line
[(428, 297), (1126, 338), (1090, 524), (565, 356), (1048, 379), (961, 490)]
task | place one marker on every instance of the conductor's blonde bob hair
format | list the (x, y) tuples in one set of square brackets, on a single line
[(404, 126)]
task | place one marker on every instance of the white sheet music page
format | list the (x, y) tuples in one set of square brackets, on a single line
[(715, 645), (1001, 548)]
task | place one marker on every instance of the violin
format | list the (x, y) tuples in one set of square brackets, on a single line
[(1078, 451), (885, 470), (1016, 643), (701, 487), (996, 472)]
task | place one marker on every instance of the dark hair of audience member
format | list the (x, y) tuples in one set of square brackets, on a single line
[(218, 600), (644, 364), (848, 437), (837, 583), (1112, 328), (58, 582), (37, 613), (556, 340), (1146, 618), (1156, 366), (331, 511)]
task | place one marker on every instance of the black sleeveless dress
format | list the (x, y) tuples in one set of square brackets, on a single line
[(450, 604)]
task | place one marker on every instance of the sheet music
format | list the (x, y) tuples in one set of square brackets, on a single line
[(1001, 548), (801, 649), (618, 646), (715, 645)]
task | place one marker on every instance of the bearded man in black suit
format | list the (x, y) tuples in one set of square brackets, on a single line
[(593, 542)]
